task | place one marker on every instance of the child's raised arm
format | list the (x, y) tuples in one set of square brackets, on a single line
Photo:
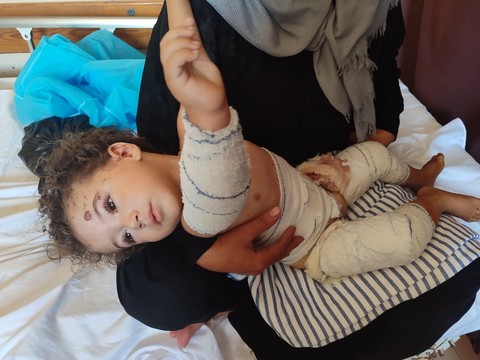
[(191, 76), (178, 11)]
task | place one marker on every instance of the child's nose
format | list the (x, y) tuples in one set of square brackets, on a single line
[(133, 221)]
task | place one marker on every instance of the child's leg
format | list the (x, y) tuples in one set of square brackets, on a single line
[(436, 202), (370, 161), (426, 176), (387, 240)]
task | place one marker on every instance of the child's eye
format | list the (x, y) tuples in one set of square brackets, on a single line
[(109, 205), (128, 239)]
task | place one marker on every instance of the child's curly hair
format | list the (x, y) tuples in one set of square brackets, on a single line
[(74, 157)]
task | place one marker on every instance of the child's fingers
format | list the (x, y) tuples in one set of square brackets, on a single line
[(176, 70), (172, 47), (184, 31), (188, 29), (189, 22), (179, 58), (173, 36), (176, 41)]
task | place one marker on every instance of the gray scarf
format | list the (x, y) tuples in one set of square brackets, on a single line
[(337, 31)]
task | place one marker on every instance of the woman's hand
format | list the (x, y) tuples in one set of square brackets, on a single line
[(234, 251), (193, 78), (383, 137)]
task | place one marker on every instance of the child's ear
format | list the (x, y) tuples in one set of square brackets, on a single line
[(122, 150)]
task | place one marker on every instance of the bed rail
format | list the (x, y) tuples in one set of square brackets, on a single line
[(77, 22), (26, 24)]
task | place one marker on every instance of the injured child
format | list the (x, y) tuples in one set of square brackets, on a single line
[(106, 193)]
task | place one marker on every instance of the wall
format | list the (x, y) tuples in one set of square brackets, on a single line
[(440, 60)]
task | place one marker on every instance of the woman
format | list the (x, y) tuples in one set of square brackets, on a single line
[(284, 109)]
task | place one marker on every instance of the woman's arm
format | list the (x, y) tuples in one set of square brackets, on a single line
[(174, 294), (388, 98)]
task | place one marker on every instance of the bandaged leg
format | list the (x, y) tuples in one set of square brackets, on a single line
[(370, 161), (387, 240)]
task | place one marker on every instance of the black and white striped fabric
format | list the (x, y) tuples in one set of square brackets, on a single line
[(306, 313)]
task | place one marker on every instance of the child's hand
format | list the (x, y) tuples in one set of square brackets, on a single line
[(193, 78)]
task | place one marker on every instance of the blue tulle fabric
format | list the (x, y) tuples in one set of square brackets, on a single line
[(99, 76)]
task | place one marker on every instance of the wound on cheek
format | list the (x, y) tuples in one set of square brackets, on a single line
[(87, 216)]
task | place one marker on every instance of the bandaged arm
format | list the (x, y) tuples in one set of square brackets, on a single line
[(214, 176)]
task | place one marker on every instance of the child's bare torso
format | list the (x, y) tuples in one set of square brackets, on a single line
[(265, 190)]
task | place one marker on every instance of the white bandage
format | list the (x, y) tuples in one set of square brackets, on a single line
[(214, 176), (387, 240), (371, 161)]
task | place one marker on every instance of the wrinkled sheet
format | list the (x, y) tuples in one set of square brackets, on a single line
[(49, 309)]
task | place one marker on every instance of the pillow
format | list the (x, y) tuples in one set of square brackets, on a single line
[(306, 313)]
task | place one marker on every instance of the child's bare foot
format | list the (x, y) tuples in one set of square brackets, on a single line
[(432, 168), (427, 175), (437, 201)]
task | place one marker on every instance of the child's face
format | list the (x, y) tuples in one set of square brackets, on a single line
[(129, 201)]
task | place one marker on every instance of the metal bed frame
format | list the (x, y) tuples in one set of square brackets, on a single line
[(25, 25)]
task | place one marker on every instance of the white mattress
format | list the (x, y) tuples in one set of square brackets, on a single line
[(49, 309)]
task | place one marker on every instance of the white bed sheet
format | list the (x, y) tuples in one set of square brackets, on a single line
[(49, 309)]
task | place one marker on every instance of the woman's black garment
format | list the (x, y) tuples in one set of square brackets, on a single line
[(403, 331), (279, 101), (282, 108), (161, 288)]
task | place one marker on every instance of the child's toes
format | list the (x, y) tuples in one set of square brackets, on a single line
[(476, 216)]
